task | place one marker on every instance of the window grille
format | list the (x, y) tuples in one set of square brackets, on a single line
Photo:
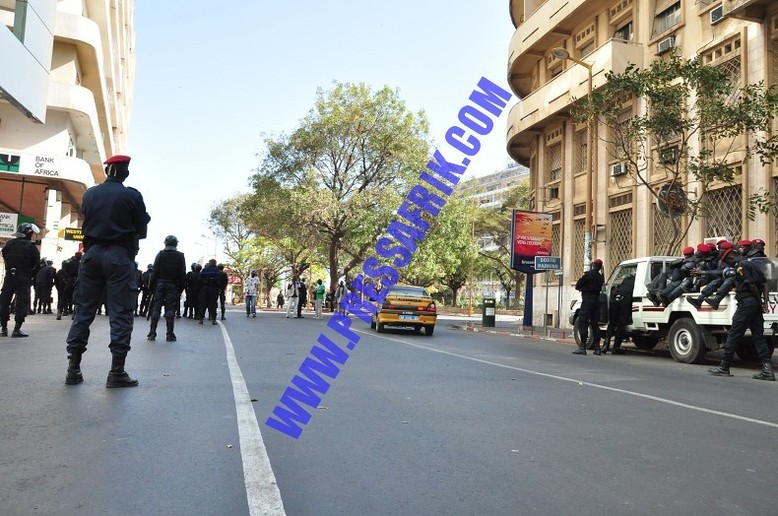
[(734, 70), (556, 239), (554, 162), (663, 232), (579, 238), (620, 242), (581, 141), (773, 73), (725, 215)]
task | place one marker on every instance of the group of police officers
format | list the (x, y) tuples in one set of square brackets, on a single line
[(115, 219), (711, 270)]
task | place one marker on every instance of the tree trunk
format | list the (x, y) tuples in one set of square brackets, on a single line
[(517, 276), (508, 298), (454, 292), (333, 263)]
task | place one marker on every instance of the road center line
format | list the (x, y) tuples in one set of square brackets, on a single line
[(588, 384), (264, 497)]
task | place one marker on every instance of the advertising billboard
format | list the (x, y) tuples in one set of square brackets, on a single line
[(530, 237)]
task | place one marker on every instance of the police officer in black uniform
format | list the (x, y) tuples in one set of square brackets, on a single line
[(167, 281), (209, 291), (145, 299), (115, 219), (751, 296), (192, 291), (21, 257), (223, 282), (590, 285), (619, 315)]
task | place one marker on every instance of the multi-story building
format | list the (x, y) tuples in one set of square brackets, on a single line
[(65, 98), (741, 36), (490, 190)]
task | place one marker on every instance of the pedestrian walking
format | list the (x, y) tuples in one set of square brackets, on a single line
[(751, 296), (319, 298), (21, 256), (252, 288), (115, 218), (280, 301), (590, 285), (291, 295), (167, 281)]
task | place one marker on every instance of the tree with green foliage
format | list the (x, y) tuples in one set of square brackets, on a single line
[(342, 169), (225, 221), (696, 128)]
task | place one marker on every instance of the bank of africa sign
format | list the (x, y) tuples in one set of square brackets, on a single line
[(8, 224), (29, 164)]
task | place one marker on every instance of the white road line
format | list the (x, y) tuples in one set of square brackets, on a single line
[(262, 492), (588, 384)]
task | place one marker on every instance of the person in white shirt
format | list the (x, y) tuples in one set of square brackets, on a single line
[(252, 288), (291, 296)]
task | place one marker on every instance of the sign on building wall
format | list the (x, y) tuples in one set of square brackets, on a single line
[(530, 237), (8, 224), (30, 164), (72, 234)]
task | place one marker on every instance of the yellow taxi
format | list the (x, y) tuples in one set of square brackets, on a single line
[(408, 306)]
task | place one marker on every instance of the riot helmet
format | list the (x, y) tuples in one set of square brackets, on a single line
[(27, 229), (171, 241)]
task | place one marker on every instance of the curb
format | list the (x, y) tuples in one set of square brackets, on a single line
[(532, 335)]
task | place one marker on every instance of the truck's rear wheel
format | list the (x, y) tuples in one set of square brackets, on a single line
[(577, 334), (685, 341), (643, 342)]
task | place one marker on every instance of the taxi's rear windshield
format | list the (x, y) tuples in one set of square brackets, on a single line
[(407, 291)]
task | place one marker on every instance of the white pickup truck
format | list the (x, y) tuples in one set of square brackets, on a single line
[(689, 332)]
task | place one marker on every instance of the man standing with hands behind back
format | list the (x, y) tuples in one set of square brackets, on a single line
[(115, 219)]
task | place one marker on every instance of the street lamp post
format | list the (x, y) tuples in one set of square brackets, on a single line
[(214, 240), (561, 53)]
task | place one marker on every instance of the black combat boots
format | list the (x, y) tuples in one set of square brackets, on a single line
[(74, 375), (118, 377), (171, 337), (766, 374), (720, 370), (152, 331)]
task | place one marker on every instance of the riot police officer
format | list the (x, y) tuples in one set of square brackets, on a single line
[(209, 291), (115, 218), (750, 294), (590, 285), (619, 314), (167, 281), (21, 257), (145, 299), (224, 280)]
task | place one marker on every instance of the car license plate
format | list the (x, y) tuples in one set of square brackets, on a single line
[(409, 317)]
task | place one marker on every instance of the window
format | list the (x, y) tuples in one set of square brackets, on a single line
[(588, 49), (556, 71), (553, 193), (667, 18), (554, 162), (624, 32)]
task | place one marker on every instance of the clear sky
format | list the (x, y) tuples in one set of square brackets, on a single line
[(213, 77)]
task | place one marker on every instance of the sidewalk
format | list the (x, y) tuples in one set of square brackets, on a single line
[(507, 325)]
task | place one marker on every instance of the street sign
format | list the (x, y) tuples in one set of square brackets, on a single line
[(73, 234), (548, 263)]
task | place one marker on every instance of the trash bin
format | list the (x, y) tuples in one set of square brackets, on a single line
[(488, 314)]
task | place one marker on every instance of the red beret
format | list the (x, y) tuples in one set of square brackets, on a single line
[(688, 250), (703, 248), (744, 243), (119, 158), (597, 261), (725, 244), (725, 254)]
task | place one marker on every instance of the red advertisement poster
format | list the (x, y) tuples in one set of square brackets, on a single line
[(531, 237)]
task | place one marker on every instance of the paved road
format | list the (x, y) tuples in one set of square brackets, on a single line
[(457, 423)]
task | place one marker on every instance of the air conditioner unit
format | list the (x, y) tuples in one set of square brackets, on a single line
[(665, 45), (618, 169), (716, 14)]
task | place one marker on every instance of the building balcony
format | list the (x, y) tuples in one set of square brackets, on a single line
[(79, 103), (540, 27), (543, 106), (751, 10)]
